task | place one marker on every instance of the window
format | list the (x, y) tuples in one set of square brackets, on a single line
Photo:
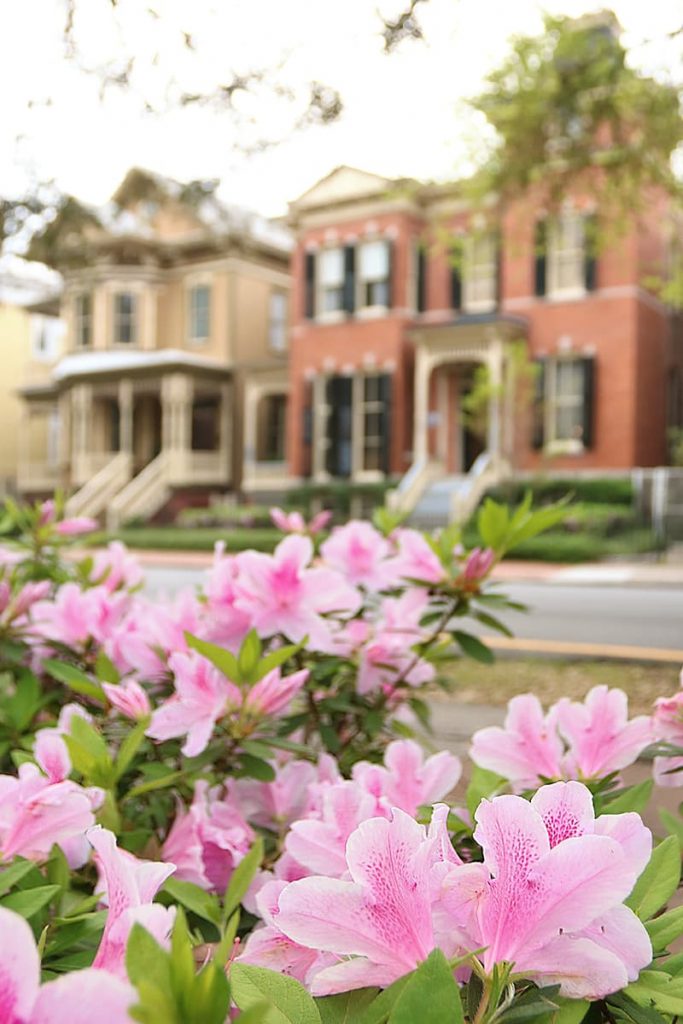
[(83, 316), (200, 313), (331, 294), (481, 273), (205, 424), (277, 326), (46, 337), (124, 318), (374, 275), (272, 448), (373, 423), (566, 397), (566, 254)]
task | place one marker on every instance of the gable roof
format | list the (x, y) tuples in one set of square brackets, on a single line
[(344, 184)]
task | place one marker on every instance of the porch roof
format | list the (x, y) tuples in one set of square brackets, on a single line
[(117, 361), (471, 324)]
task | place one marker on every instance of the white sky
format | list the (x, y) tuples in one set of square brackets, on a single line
[(403, 113)]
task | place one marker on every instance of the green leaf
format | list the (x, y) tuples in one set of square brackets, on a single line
[(249, 656), (129, 747), (74, 678), (672, 824), (275, 659), (432, 985), (28, 902), (474, 647), (665, 928), (148, 787), (105, 669), (26, 700), (256, 768), (633, 798), (225, 661), (12, 875), (632, 1012), (659, 990), (492, 523), (483, 783), (344, 1008), (242, 878), (195, 899), (659, 880), (379, 1009), (146, 961), (290, 1002)]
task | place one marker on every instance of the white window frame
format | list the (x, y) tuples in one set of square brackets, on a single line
[(278, 321), (193, 288), (321, 314), (46, 337), (367, 407), (553, 402), (566, 257), (365, 279), (82, 320), (480, 273), (133, 318)]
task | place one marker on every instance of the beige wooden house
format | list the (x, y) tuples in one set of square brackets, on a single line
[(173, 382)]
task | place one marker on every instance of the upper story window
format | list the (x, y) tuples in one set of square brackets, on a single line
[(480, 277), (46, 337), (565, 415), (330, 281), (125, 325), (567, 254), (277, 324), (200, 313), (374, 275), (83, 320)]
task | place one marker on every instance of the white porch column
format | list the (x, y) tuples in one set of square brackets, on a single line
[(176, 431), (423, 369), (224, 428), (81, 397), (495, 365), (318, 440), (126, 416)]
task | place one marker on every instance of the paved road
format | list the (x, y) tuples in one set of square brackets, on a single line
[(640, 616)]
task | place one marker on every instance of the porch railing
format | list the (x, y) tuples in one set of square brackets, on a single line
[(94, 497), (144, 495)]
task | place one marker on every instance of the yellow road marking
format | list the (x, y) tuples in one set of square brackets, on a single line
[(626, 652)]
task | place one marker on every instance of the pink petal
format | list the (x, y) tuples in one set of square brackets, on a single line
[(622, 933), (566, 809), (351, 974), (19, 968), (84, 997), (583, 969), (52, 755)]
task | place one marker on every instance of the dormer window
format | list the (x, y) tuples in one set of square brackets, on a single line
[(125, 326), (200, 313), (331, 278), (374, 275), (83, 320)]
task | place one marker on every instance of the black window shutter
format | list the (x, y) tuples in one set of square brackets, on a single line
[(385, 385), (590, 263), (421, 278), (538, 411), (588, 402), (339, 399), (309, 294), (499, 269), (540, 251), (456, 286), (391, 300), (349, 278)]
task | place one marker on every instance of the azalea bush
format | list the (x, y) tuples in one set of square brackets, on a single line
[(226, 805)]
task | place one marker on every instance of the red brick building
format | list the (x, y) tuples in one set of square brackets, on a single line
[(389, 324)]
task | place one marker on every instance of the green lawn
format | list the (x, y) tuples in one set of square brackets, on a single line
[(188, 538)]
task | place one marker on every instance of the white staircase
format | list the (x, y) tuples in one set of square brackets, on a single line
[(432, 498), (142, 496), (93, 498)]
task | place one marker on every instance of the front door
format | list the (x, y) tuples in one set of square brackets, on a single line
[(472, 428), (339, 401)]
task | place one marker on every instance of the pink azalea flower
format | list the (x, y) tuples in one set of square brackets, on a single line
[(599, 735), (667, 725), (76, 526), (549, 896), (129, 699), (318, 843), (202, 697), (359, 553), (415, 560), (47, 512), (115, 568), (131, 885), (407, 780), (29, 595), (75, 615), (51, 754), (292, 795), (273, 693), (76, 998), (36, 813), (574, 740), (225, 622), (209, 840), (294, 522), (380, 921), (282, 594)]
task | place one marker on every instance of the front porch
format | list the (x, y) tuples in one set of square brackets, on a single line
[(120, 445), (455, 459)]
